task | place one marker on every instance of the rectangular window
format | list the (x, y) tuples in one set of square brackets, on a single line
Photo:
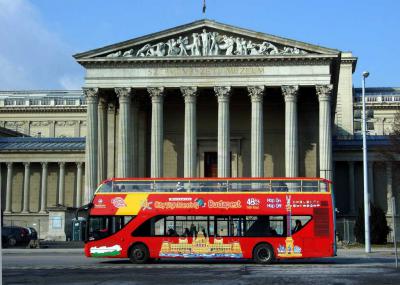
[(70, 102), (20, 102), (59, 101), (9, 102), (34, 102), (357, 125), (45, 101)]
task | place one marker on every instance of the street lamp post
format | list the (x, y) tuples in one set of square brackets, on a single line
[(365, 170)]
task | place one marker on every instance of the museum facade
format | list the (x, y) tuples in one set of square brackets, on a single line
[(199, 100)]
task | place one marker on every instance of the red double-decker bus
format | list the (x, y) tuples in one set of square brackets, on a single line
[(261, 219)]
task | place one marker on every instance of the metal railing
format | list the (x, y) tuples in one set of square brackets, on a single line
[(215, 185)]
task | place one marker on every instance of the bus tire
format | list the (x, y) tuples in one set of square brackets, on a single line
[(263, 254), (139, 253)]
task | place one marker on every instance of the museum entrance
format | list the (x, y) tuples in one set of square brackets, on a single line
[(210, 164)]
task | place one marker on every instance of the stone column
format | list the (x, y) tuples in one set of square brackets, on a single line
[(134, 131), (389, 188), (371, 181), (61, 183), (43, 189), (111, 140), (91, 180), (256, 94), (9, 187), (125, 131), (290, 93), (190, 133), (324, 93), (102, 139), (27, 174), (78, 184), (157, 131), (352, 192), (224, 162)]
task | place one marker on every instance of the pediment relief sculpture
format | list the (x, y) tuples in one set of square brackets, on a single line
[(207, 44)]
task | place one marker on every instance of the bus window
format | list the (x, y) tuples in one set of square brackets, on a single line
[(159, 227), (276, 224), (265, 226), (106, 187), (222, 227), (104, 226), (298, 222)]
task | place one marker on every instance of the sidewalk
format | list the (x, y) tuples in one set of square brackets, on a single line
[(6, 251)]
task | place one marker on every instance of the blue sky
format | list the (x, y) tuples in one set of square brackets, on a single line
[(39, 37)]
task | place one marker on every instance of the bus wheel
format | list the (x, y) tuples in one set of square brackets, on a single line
[(263, 253), (139, 253)]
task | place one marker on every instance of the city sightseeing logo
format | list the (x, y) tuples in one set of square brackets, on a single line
[(118, 202), (180, 204)]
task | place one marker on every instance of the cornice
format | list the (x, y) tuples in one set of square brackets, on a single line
[(35, 109), (156, 61), (42, 151)]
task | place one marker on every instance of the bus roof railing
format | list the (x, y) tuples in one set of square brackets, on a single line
[(313, 185)]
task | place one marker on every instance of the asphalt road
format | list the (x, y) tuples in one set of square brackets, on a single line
[(70, 267)]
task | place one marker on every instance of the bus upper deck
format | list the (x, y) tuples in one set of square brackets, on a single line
[(305, 185)]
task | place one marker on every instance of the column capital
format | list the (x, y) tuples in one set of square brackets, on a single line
[(91, 94), (79, 164), (44, 164), (26, 164), (123, 93), (189, 93), (324, 92), (256, 93), (222, 92), (9, 165), (156, 93), (290, 92), (61, 164)]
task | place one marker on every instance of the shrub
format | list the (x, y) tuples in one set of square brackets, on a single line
[(379, 228)]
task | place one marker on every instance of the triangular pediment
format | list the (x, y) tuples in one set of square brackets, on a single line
[(204, 38)]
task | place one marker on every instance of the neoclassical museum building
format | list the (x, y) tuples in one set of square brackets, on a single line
[(203, 99)]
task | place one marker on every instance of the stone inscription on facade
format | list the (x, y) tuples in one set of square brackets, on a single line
[(207, 44)]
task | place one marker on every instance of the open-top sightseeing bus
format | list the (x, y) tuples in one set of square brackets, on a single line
[(262, 219)]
